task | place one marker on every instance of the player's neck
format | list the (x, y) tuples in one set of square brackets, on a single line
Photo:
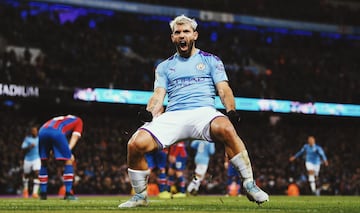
[(193, 52)]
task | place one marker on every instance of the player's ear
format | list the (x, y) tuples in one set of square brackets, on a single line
[(196, 35)]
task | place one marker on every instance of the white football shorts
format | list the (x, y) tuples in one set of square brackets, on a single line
[(201, 169), (33, 165), (174, 126), (314, 167)]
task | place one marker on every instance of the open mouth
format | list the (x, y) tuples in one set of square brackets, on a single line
[(182, 43)]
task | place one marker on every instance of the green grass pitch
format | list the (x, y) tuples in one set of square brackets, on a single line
[(97, 204)]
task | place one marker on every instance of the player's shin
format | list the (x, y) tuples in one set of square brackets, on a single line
[(25, 183), (312, 183), (68, 177), (36, 186), (26, 187), (162, 181), (43, 178)]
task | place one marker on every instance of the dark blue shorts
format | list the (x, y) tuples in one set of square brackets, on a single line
[(53, 140), (156, 159)]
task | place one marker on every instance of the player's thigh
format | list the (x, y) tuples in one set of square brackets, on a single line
[(222, 129), (45, 145), (143, 141), (201, 169), (61, 147), (36, 165), (310, 167), (150, 160), (27, 167), (180, 163), (317, 169), (161, 160)]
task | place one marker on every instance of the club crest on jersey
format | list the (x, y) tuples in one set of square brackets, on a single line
[(200, 66)]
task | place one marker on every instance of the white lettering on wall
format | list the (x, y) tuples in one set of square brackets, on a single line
[(18, 90)]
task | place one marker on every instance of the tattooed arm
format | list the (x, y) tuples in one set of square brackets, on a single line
[(155, 104)]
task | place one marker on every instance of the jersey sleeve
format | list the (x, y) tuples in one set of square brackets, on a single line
[(78, 128), (25, 143), (160, 76), (322, 154), (300, 152), (218, 72)]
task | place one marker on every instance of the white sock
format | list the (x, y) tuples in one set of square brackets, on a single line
[(191, 186), (242, 164), (36, 186), (26, 183), (313, 187), (139, 180), (197, 185), (312, 183), (194, 184)]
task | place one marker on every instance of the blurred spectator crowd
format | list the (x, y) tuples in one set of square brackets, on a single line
[(101, 154), (120, 50), (321, 11)]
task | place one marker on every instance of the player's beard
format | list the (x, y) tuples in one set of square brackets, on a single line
[(186, 53)]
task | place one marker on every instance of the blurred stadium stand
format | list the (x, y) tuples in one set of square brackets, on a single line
[(261, 62)]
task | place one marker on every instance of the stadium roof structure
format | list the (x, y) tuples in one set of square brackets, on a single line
[(205, 15)]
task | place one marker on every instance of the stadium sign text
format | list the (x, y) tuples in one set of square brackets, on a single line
[(18, 90)]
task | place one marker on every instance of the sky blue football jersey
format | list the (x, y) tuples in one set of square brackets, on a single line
[(190, 82), (313, 154), (33, 154)]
